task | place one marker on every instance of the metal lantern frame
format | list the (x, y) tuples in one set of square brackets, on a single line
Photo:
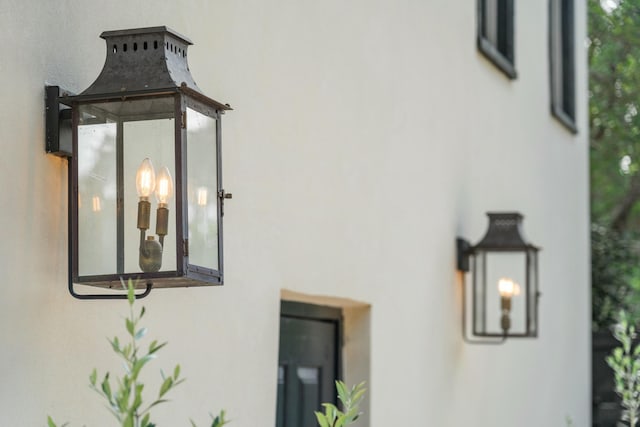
[(504, 235), (144, 66)]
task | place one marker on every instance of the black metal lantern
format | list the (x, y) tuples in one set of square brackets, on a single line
[(145, 182), (504, 285)]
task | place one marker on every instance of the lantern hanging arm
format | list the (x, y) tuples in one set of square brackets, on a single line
[(76, 295)]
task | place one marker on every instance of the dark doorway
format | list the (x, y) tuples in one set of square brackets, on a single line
[(308, 363)]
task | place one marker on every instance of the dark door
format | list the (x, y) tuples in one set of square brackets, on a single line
[(308, 363)]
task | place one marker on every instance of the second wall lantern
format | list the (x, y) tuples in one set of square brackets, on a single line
[(504, 280), (145, 179)]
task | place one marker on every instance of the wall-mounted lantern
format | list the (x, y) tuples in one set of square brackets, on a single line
[(145, 178), (504, 285)]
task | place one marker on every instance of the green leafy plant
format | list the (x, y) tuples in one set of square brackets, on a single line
[(125, 395), (332, 416), (625, 363)]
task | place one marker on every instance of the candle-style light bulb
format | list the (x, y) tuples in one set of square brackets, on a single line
[(507, 288), (164, 192), (164, 187), (150, 258), (145, 179)]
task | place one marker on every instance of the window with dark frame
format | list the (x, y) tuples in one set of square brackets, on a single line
[(495, 34), (562, 62)]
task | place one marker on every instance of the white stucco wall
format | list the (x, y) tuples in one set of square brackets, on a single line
[(366, 136)]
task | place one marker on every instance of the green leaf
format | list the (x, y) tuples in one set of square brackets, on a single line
[(128, 422), (166, 386), (176, 372), (153, 347), (106, 388), (330, 412), (50, 422), (115, 344), (322, 420), (130, 326), (139, 364), (93, 377), (219, 421), (157, 402), (342, 391), (145, 420), (131, 295), (141, 333), (137, 399)]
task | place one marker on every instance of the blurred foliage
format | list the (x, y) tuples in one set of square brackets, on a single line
[(625, 363), (350, 399), (124, 396), (614, 91), (614, 94), (615, 276)]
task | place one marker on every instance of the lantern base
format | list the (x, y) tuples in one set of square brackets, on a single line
[(159, 280)]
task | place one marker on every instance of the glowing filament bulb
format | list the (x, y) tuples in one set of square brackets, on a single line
[(145, 179), (164, 187), (508, 288)]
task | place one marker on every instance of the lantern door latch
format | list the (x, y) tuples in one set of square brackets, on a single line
[(223, 195)]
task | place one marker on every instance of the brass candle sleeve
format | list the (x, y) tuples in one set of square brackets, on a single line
[(162, 222), (144, 212), (505, 320)]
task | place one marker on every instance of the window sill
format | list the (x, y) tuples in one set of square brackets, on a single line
[(564, 119), (497, 58)]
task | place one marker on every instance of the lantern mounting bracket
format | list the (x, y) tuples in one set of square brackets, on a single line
[(58, 122), (463, 251)]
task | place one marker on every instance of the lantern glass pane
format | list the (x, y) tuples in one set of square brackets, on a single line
[(494, 267), (152, 139), (533, 292), (113, 140), (97, 201), (202, 190), (479, 294)]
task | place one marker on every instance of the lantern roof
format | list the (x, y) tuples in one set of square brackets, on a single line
[(145, 61), (504, 233)]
